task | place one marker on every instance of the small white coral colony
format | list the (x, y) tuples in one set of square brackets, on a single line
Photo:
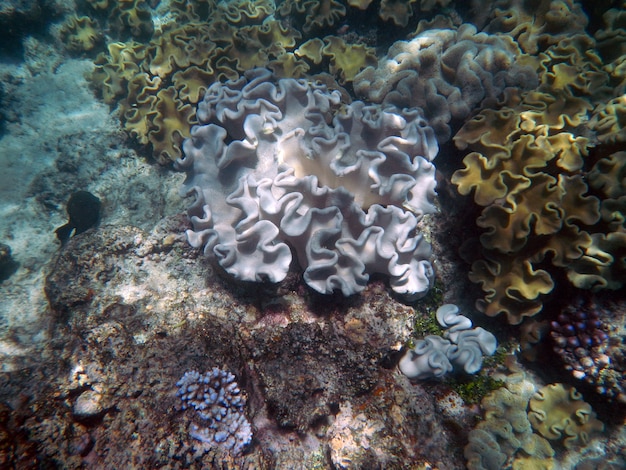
[(461, 347), (282, 165)]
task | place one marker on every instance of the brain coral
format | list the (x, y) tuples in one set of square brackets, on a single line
[(447, 73), (282, 165)]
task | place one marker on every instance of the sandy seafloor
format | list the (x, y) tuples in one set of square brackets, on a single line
[(89, 381)]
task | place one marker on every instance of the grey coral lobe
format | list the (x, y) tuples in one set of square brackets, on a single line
[(282, 166), (460, 348)]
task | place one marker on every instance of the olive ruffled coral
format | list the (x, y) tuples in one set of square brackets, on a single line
[(559, 413), (80, 34), (527, 170), (506, 431), (538, 25), (531, 210), (196, 43)]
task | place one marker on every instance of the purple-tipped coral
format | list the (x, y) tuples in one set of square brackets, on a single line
[(589, 347), (219, 402)]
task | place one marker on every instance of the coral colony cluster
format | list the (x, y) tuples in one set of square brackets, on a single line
[(461, 347), (287, 170), (220, 404), (282, 165)]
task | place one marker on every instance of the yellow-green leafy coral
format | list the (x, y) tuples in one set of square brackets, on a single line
[(512, 286), (611, 44), (131, 17), (609, 120), (345, 60), (397, 11), (80, 34), (533, 206), (559, 413), (313, 14), (603, 264), (156, 77), (527, 170), (506, 431), (538, 25)]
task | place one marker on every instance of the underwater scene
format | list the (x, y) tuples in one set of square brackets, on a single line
[(313, 234)]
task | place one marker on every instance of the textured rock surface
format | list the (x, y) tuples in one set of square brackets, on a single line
[(133, 310)]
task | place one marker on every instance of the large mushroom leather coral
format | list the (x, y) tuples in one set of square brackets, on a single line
[(284, 163)]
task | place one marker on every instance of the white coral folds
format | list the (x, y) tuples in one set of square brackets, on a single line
[(282, 166)]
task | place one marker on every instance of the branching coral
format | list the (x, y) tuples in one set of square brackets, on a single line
[(220, 405), (581, 339)]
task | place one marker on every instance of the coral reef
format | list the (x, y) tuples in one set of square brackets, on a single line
[(461, 347), (153, 71), (268, 170), (447, 73), (512, 414), (218, 401), (290, 180), (132, 308)]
